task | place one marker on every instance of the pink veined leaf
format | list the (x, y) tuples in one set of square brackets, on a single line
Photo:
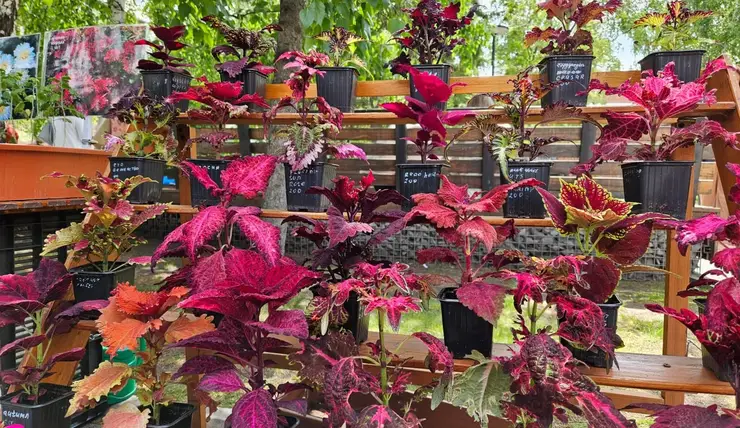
[(687, 416), (440, 358), (345, 378), (437, 255), (208, 272), (628, 126), (728, 260), (527, 286), (378, 416), (227, 380), (451, 194), (192, 235), (141, 260), (485, 299), (265, 236), (582, 323), (201, 174), (340, 229), (601, 412), (735, 190), (248, 176), (288, 322), (494, 199), (256, 409), (479, 229), (203, 364), (147, 214), (697, 230), (342, 290), (393, 306), (347, 151)]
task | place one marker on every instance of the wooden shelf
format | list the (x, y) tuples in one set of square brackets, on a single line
[(387, 118), (12, 207)]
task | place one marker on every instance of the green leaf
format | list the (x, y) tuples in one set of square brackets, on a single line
[(62, 238), (479, 390)]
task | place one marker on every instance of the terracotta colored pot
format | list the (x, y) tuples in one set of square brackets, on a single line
[(21, 169)]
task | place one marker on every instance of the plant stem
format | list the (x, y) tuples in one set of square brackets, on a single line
[(533, 318), (383, 359)]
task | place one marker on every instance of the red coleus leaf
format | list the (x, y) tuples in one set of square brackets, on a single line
[(248, 176), (600, 411), (431, 88), (437, 255), (256, 409), (628, 248), (735, 190), (288, 323), (728, 260), (439, 358), (345, 378), (265, 236), (697, 230), (394, 307), (599, 279), (485, 299), (494, 199), (480, 230), (340, 229), (378, 416), (187, 239), (625, 126), (688, 416), (342, 290), (226, 380), (582, 323), (527, 286)]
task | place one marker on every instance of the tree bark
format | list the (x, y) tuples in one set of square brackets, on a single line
[(118, 11), (8, 14)]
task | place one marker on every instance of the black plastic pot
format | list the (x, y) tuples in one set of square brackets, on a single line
[(175, 415), (338, 86), (464, 331), (723, 373), (687, 63), (413, 178), (296, 184), (660, 187), (440, 70), (574, 68), (526, 202), (123, 168), (253, 82), (199, 195), (49, 413), (83, 418), (357, 323), (597, 357), (163, 83), (93, 355), (90, 284)]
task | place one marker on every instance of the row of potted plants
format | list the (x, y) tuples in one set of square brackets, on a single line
[(214, 303)]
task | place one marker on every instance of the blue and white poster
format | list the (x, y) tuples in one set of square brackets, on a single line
[(18, 54)]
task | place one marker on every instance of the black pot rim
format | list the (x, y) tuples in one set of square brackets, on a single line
[(339, 69), (530, 163), (681, 52), (62, 395), (556, 57), (442, 292), (165, 71), (136, 158), (420, 165), (81, 269), (648, 163), (196, 161), (314, 164), (422, 66), (615, 303)]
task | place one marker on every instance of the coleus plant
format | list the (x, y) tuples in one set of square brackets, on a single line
[(241, 287), (248, 46), (217, 103), (149, 120), (433, 121), (39, 295), (332, 362), (431, 35), (162, 52), (109, 235), (133, 316), (671, 31), (516, 141), (312, 134), (661, 97), (570, 38), (339, 40), (348, 237)]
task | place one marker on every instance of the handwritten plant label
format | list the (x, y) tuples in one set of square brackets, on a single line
[(300, 181), (416, 177), (570, 71), (123, 170), (17, 416), (87, 281)]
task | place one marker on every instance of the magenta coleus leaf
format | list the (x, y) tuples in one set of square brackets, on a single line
[(582, 323), (697, 230), (728, 260), (248, 176), (345, 378), (599, 279), (378, 416), (394, 307), (440, 358), (265, 236), (340, 229), (227, 380), (256, 409), (688, 416), (202, 364), (208, 272), (480, 230), (600, 411), (187, 239), (286, 322), (485, 299), (437, 255)]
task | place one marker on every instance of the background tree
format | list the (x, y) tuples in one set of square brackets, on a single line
[(8, 12)]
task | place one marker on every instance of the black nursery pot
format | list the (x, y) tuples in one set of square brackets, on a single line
[(357, 323), (687, 63), (175, 415), (163, 83), (83, 418), (723, 373), (597, 357), (413, 178), (338, 86), (199, 195), (90, 284), (440, 70), (576, 69), (296, 184), (123, 168), (49, 413), (526, 202), (253, 82), (658, 186), (464, 331)]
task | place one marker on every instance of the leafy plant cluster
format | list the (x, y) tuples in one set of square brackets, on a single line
[(339, 40), (671, 31), (162, 59), (248, 46)]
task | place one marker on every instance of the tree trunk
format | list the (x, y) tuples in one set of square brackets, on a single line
[(291, 38), (8, 14), (118, 11)]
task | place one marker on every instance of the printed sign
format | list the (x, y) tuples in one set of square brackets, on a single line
[(17, 55)]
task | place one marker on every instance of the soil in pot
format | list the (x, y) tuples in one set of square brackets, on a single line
[(89, 283), (526, 202), (687, 63), (47, 413), (296, 184), (464, 331), (440, 70), (597, 357), (723, 373), (413, 178), (199, 195), (175, 415), (163, 83), (660, 187), (253, 82), (574, 68), (338, 86), (147, 193)]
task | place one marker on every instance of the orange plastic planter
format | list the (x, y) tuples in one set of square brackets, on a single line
[(21, 169)]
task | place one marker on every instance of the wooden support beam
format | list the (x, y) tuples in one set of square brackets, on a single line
[(727, 84)]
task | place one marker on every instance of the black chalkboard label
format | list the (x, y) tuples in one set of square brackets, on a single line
[(17, 416), (123, 169), (414, 177), (87, 281), (570, 71), (298, 182), (632, 172)]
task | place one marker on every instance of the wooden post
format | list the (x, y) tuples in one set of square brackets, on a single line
[(674, 333), (726, 82), (184, 133)]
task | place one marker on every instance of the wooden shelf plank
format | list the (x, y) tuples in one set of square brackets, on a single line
[(387, 118), (13, 207)]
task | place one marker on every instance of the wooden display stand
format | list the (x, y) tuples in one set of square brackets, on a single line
[(673, 373)]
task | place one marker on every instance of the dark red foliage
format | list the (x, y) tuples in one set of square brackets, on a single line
[(246, 45), (582, 323), (162, 52), (432, 33), (687, 416)]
